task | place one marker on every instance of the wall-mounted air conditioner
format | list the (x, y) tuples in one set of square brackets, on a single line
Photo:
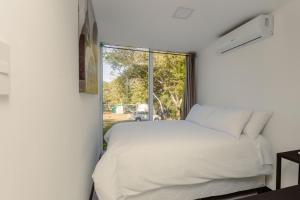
[(255, 30)]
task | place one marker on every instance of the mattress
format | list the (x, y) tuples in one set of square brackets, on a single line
[(198, 191)]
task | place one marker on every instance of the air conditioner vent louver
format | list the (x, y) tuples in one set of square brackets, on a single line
[(234, 47)]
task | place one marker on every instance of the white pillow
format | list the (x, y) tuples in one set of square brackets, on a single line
[(231, 121), (257, 123), (199, 114)]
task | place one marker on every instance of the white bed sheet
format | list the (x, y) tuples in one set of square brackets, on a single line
[(147, 156)]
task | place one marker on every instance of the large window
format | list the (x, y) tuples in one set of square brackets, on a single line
[(140, 85)]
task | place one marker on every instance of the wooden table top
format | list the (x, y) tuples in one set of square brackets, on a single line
[(291, 155)]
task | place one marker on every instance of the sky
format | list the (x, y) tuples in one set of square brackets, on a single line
[(107, 76), (107, 68)]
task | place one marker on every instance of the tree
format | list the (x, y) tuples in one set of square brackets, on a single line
[(168, 76), (131, 83)]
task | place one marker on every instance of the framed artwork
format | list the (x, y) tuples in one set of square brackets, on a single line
[(88, 48)]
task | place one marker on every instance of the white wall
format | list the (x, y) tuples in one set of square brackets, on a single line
[(49, 133), (265, 75)]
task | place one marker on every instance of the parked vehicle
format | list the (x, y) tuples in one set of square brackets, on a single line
[(143, 116)]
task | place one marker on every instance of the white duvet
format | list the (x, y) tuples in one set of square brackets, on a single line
[(145, 156)]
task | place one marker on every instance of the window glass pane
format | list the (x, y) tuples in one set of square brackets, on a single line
[(126, 81), (168, 85), (125, 86)]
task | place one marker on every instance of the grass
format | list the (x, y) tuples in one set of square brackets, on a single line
[(107, 124)]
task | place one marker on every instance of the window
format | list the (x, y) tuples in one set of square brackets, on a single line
[(140, 85)]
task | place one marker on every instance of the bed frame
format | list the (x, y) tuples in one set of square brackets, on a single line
[(237, 194), (232, 195)]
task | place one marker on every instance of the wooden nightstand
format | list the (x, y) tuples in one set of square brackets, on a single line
[(291, 156)]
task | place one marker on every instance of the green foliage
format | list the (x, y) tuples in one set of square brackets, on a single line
[(168, 76), (131, 83)]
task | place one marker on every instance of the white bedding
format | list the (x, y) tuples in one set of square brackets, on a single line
[(145, 156), (202, 190)]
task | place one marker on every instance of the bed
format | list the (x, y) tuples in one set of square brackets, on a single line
[(178, 160)]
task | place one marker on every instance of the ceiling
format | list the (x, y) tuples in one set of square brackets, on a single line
[(149, 23)]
